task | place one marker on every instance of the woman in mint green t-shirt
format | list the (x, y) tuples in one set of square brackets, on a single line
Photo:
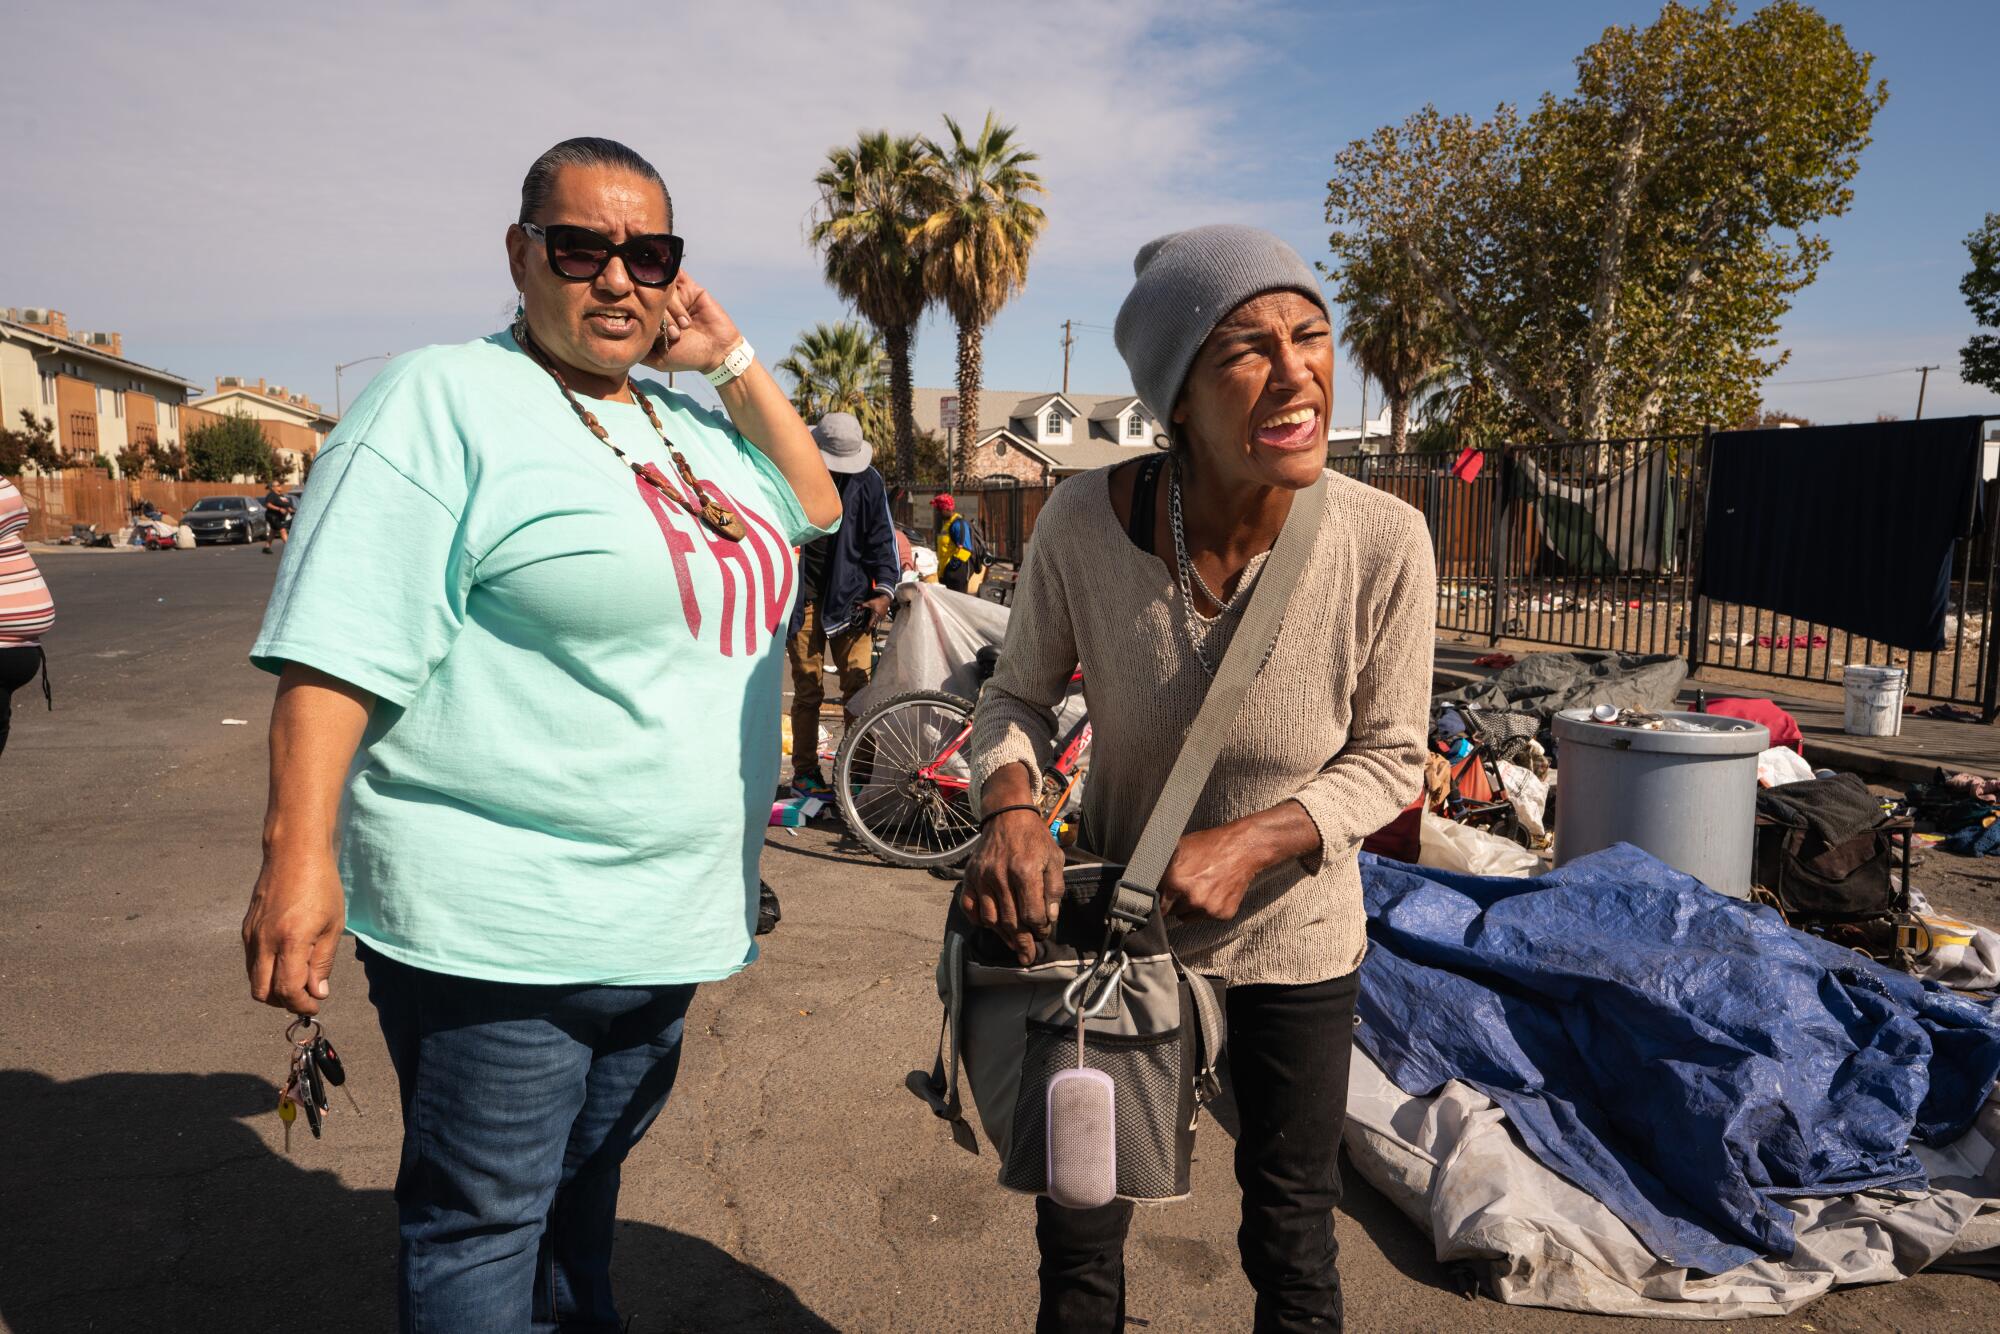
[(529, 635)]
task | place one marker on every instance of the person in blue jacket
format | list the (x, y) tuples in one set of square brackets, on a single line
[(846, 581)]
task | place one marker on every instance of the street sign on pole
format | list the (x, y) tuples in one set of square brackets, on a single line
[(948, 412)]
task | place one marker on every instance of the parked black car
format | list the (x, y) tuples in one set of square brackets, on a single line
[(228, 519)]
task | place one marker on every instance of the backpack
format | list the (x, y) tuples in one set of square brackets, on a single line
[(1824, 861), (975, 542)]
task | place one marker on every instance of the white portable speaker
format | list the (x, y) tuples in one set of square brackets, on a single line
[(1082, 1149)]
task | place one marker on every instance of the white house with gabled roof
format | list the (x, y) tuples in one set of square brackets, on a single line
[(1038, 439)]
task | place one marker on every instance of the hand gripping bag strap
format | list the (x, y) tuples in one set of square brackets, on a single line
[(1139, 886)]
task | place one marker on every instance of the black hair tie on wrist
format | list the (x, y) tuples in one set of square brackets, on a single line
[(987, 817)]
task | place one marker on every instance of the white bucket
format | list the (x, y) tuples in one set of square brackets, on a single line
[(1874, 699)]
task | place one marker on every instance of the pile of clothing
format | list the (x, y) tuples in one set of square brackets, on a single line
[(1964, 808)]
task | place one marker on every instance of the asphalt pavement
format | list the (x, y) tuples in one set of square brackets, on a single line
[(793, 1184)]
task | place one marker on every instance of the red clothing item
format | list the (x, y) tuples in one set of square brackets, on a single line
[(1399, 839), (1784, 728)]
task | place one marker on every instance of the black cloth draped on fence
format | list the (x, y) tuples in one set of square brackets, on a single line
[(1844, 526)]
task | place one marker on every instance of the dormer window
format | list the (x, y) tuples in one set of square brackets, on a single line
[(1135, 427), (1053, 423)]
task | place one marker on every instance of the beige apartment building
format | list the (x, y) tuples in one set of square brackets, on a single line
[(294, 424), (96, 399)]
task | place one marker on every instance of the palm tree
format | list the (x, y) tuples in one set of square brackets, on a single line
[(873, 195), (1394, 331), (1457, 406), (976, 242), (840, 367)]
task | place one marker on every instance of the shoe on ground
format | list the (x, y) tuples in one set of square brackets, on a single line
[(811, 785)]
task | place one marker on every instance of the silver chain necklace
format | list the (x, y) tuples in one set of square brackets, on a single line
[(1190, 578)]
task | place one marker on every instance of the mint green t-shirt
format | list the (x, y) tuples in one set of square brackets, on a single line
[(568, 771)]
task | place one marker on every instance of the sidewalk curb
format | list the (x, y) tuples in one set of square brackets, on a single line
[(1825, 752)]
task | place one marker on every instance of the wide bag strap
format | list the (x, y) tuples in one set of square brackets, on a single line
[(1139, 886)]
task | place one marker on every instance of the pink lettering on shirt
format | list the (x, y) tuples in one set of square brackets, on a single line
[(777, 593), (768, 582), (679, 544)]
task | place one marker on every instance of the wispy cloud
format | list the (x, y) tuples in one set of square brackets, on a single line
[(274, 169)]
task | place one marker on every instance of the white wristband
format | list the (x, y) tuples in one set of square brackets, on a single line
[(734, 364)]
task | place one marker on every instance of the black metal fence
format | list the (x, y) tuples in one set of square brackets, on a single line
[(1597, 545), (1005, 515)]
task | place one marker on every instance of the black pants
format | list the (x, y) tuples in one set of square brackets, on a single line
[(956, 575), (1288, 1052), (17, 667)]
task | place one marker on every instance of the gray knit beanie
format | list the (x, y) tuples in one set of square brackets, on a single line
[(1187, 282)]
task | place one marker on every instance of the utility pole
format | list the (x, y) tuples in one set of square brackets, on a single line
[(1068, 339), (1361, 445), (1923, 384)]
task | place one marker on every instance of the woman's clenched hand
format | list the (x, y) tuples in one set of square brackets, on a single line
[(1212, 869)]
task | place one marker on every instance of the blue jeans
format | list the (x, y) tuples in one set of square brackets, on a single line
[(519, 1106)]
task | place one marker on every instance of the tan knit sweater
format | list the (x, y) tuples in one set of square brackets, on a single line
[(1336, 718)]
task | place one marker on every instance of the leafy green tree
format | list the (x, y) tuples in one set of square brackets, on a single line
[(231, 447), (1394, 330), (873, 196), (1979, 359), (34, 443), (976, 243), (840, 367), (133, 458), (1457, 406), (1619, 261), (170, 461), (933, 469)]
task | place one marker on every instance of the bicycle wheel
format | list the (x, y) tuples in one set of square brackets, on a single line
[(902, 780)]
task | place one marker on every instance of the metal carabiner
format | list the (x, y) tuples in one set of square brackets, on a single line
[(1079, 1000)]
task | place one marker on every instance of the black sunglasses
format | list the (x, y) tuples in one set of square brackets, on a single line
[(577, 254)]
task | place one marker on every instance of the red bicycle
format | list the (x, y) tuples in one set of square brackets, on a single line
[(903, 780)]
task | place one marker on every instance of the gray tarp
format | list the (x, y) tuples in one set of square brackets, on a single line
[(1453, 1165), (1543, 683), (1624, 525)]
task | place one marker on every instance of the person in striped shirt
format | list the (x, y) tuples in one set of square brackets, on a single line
[(26, 609)]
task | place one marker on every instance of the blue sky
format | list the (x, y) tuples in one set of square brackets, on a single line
[(254, 190)]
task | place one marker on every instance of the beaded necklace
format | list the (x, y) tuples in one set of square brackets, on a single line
[(722, 520)]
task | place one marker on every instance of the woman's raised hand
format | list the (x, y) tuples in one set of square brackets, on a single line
[(696, 333)]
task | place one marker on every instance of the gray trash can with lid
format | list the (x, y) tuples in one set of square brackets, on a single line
[(1686, 793)]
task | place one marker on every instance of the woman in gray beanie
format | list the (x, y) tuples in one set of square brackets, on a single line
[(1138, 572)]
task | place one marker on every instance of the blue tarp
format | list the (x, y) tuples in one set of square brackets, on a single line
[(1689, 1060)]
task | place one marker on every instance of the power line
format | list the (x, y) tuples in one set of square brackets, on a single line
[(1836, 379)]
